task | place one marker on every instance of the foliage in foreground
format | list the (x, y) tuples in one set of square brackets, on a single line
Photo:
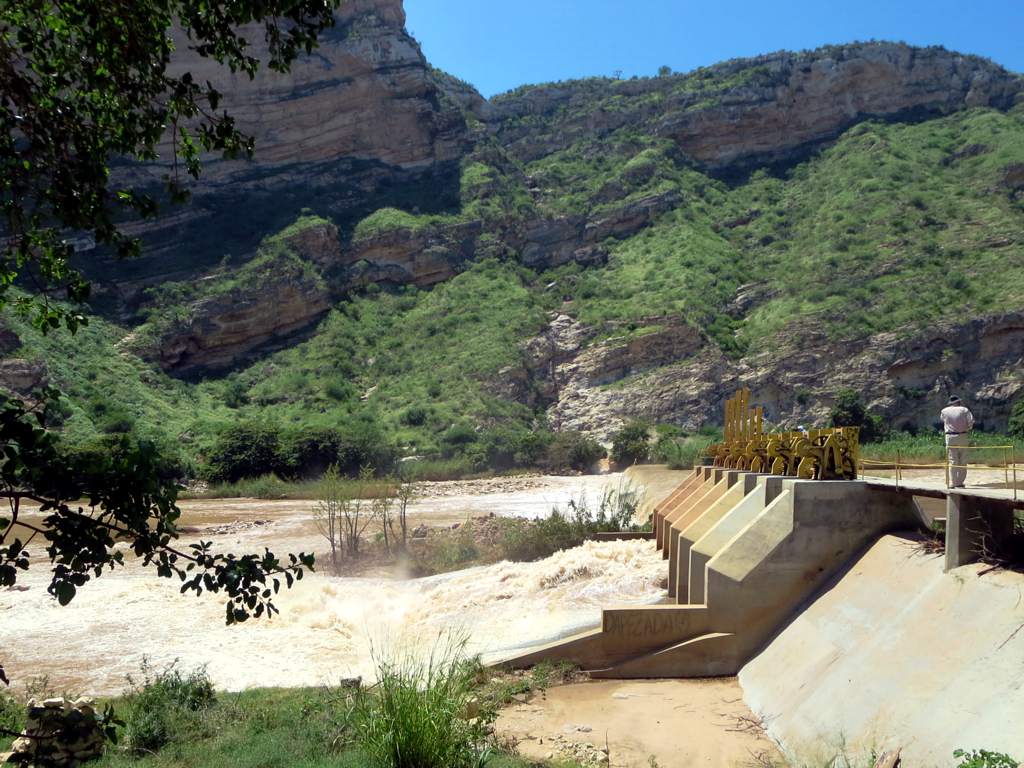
[(419, 714), (983, 758), (92, 501), (92, 84), (435, 711)]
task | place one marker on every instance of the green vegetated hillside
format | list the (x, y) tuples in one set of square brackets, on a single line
[(893, 226)]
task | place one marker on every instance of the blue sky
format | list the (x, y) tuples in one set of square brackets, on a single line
[(499, 45)]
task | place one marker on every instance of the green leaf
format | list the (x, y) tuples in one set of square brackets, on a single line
[(65, 592)]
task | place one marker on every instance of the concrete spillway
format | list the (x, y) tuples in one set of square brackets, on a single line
[(896, 652), (845, 636), (744, 552)]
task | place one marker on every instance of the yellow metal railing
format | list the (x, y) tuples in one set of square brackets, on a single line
[(899, 465)]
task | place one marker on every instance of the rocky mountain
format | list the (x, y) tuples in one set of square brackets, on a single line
[(582, 252)]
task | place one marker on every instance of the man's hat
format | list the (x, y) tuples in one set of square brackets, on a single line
[(953, 399)]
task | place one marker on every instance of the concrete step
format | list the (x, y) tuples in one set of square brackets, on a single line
[(710, 655)]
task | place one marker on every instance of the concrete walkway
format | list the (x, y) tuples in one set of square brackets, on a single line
[(938, 490)]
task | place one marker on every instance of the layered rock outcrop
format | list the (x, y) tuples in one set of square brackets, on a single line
[(672, 376), (760, 110), (358, 122), (224, 330)]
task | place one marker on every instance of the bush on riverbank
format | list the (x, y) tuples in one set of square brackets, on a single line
[(162, 702), (253, 449), (681, 451), (631, 444), (486, 540)]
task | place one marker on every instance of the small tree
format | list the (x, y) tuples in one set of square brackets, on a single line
[(664, 70), (849, 411), (1016, 425), (355, 514), (327, 514), (631, 444), (383, 510), (404, 495)]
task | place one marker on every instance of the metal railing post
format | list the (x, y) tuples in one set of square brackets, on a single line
[(948, 454)]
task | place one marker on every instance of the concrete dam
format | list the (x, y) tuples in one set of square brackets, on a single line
[(841, 626)]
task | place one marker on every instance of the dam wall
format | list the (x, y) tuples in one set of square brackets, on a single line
[(769, 543), (894, 652), (848, 636)]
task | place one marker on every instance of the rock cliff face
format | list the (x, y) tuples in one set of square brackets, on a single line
[(224, 330), (674, 376), (768, 109), (359, 122)]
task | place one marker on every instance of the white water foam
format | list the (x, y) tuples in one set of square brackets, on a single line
[(327, 625)]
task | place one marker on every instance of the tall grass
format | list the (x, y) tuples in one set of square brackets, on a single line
[(420, 713), (681, 452), (930, 448)]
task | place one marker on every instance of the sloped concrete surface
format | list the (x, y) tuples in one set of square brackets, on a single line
[(895, 652)]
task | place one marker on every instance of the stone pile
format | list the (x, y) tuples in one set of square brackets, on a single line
[(58, 734)]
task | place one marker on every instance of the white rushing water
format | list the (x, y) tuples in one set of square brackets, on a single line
[(327, 625)]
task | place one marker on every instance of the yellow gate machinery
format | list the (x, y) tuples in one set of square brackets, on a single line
[(818, 454)]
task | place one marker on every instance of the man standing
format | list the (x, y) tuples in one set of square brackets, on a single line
[(957, 422)]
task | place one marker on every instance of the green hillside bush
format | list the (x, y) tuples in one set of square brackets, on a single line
[(849, 411), (572, 451), (1016, 426), (631, 444), (244, 450)]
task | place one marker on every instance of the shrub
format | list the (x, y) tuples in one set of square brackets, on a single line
[(681, 452), (263, 487), (982, 758), (12, 716), (572, 451), (438, 469), (509, 446), (1016, 426), (363, 444), (414, 416), (244, 450), (309, 452), (116, 421), (631, 444), (160, 702), (563, 530), (849, 411), (416, 715), (236, 394), (456, 438), (253, 450)]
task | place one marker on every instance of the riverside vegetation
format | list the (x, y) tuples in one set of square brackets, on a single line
[(423, 712), (433, 712)]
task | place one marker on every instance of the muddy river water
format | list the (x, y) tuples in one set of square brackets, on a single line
[(329, 627)]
